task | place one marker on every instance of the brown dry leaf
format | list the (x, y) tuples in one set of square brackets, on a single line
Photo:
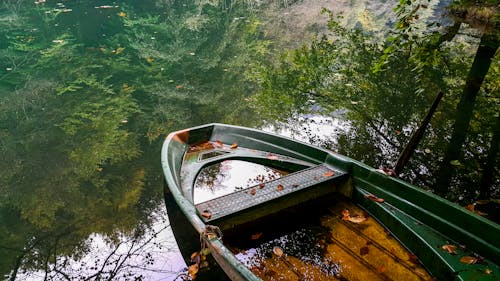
[(451, 249), (488, 271), (261, 185), (279, 187), (382, 269), (206, 214), (470, 207), (357, 219), (328, 174), (219, 144), (278, 251), (234, 146), (193, 270), (345, 215), (253, 191), (195, 257), (364, 250), (375, 198), (272, 157), (413, 258), (468, 260), (256, 236)]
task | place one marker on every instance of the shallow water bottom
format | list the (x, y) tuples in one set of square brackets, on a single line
[(329, 240)]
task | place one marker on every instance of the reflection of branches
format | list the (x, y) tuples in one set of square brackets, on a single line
[(138, 254)]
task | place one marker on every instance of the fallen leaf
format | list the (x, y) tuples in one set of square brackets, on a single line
[(272, 157), (278, 251), (219, 144), (206, 214), (179, 87), (122, 14), (256, 236), (195, 257), (468, 260), (470, 207), (150, 59), (375, 198), (397, 132), (205, 251), (261, 185), (357, 219), (364, 250), (345, 215), (279, 187), (193, 270), (455, 163), (451, 249), (253, 191), (328, 174), (234, 145), (382, 269), (488, 271), (413, 258)]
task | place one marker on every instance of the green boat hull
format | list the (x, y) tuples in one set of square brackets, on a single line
[(420, 220)]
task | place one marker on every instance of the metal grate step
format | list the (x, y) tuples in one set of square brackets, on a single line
[(259, 194)]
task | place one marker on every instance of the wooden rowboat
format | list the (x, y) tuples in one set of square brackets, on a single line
[(442, 240)]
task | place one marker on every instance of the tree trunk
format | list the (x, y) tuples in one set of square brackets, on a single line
[(482, 61), (490, 166), (412, 144)]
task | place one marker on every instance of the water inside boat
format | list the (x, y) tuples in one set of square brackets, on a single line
[(328, 239)]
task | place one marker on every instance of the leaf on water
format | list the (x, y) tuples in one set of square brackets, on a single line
[(328, 174), (253, 191), (206, 214), (472, 208), (357, 219), (375, 198), (279, 187), (278, 251), (256, 236), (468, 260), (364, 250), (345, 215), (205, 251), (451, 249), (234, 145), (195, 257), (193, 270), (413, 258)]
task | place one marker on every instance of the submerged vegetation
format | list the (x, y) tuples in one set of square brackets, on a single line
[(88, 90)]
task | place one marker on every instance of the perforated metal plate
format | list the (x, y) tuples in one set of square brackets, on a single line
[(259, 194)]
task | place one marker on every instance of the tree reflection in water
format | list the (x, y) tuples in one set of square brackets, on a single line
[(149, 253), (227, 176)]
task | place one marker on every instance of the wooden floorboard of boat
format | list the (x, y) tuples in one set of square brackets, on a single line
[(269, 191)]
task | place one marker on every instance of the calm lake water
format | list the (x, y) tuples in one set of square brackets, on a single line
[(89, 89)]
